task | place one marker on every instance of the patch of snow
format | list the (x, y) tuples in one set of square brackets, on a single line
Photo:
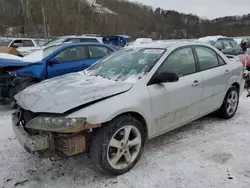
[(101, 9), (142, 41), (34, 57), (132, 79), (238, 40), (9, 56), (208, 152), (210, 38)]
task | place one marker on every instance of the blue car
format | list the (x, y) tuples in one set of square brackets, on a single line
[(16, 75)]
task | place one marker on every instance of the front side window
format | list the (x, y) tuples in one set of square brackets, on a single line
[(219, 45), (17, 43), (127, 65), (181, 61), (96, 52), (71, 54), (207, 58)]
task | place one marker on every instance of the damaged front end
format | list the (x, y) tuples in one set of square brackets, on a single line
[(51, 135), (5, 81)]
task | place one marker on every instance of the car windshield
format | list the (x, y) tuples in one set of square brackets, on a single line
[(55, 41), (49, 50), (5, 42), (41, 54), (126, 65)]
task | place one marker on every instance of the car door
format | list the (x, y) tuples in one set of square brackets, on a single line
[(175, 103), (71, 59), (215, 74), (95, 53)]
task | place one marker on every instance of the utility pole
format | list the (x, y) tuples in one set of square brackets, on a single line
[(44, 23)]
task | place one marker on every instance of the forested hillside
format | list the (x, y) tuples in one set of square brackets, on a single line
[(62, 17)]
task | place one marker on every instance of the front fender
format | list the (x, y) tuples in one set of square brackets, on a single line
[(36, 71), (108, 109)]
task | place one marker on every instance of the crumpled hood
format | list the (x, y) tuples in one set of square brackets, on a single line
[(12, 63), (63, 93)]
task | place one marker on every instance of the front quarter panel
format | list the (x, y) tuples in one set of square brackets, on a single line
[(135, 100), (33, 71)]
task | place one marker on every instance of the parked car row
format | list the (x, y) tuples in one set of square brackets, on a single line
[(27, 45), (114, 105), (47, 63)]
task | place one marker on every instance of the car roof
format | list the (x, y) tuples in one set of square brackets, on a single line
[(65, 45), (165, 45), (10, 38), (226, 38), (78, 36)]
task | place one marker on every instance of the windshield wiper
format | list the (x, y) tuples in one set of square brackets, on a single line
[(103, 76)]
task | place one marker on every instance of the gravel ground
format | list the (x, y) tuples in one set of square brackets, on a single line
[(206, 153)]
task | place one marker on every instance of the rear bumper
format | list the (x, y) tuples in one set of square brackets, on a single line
[(31, 144)]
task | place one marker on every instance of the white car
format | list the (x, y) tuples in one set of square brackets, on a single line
[(135, 94), (23, 45)]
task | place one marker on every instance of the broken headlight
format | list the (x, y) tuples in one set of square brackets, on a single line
[(57, 124)]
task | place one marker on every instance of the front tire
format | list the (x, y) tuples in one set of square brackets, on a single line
[(230, 104), (118, 145)]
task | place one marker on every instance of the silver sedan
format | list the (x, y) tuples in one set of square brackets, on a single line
[(135, 94)]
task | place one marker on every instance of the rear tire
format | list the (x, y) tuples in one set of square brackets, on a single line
[(117, 146), (230, 104)]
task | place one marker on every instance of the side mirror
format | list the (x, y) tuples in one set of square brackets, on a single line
[(53, 61), (164, 77)]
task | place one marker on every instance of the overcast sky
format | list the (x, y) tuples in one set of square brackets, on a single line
[(203, 8)]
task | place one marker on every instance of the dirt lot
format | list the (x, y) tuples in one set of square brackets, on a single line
[(206, 153)]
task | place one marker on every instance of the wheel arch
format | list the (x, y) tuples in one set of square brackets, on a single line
[(237, 85), (138, 117)]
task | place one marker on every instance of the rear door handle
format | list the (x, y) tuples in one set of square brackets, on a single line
[(226, 72), (196, 83)]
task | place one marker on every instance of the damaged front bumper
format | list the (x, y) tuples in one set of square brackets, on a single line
[(32, 143), (51, 135)]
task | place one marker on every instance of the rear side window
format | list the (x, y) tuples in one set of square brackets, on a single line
[(28, 43), (96, 52), (89, 40), (73, 40), (207, 58)]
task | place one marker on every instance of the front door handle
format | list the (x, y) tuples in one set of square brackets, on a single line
[(196, 83)]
